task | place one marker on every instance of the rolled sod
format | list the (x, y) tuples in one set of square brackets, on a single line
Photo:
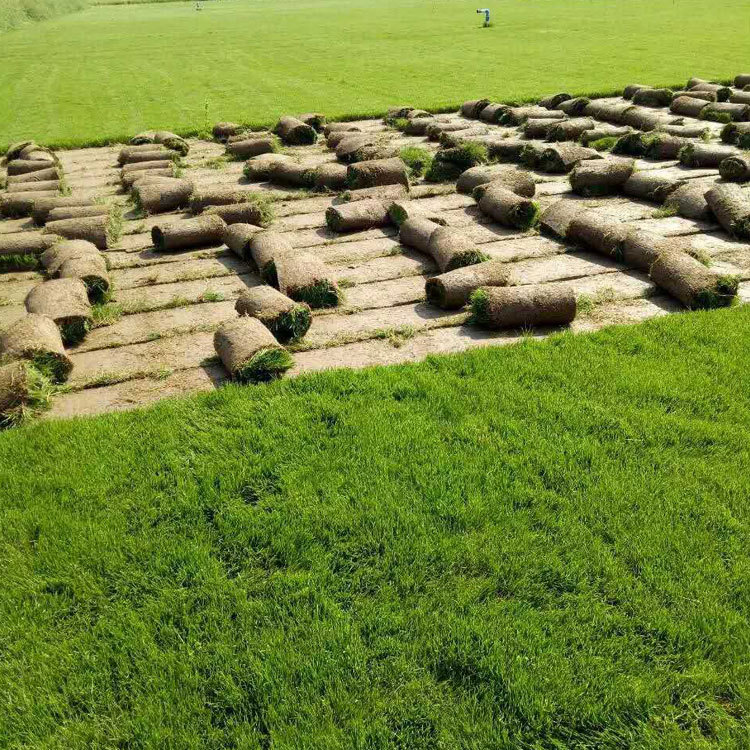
[(506, 149), (740, 97), (48, 186), (252, 147), (648, 97), (556, 219), (493, 112), (65, 301), (685, 131), (237, 238), (649, 185), (22, 166), (26, 243), (641, 248), (689, 201), (603, 131), (562, 157), (450, 248), (507, 208), (335, 138), (37, 338), (222, 130), (147, 136), (249, 351), (452, 290), (570, 130), (201, 231), (263, 250), (91, 270), (705, 154), (419, 126), (630, 90), (707, 96), (16, 148), (377, 172), (356, 148), (144, 166), (599, 233), (519, 115), (172, 141), (385, 193), (130, 179), (416, 232), (53, 258), (358, 215), (305, 278), (574, 107), (286, 319), (722, 92), (554, 101), (260, 167), (78, 212), (514, 306), (601, 177), (37, 153), (736, 133), (731, 207), (40, 175), (250, 135), (642, 118), (332, 176), (721, 111), (742, 80), (736, 168), (294, 132), (162, 196), (517, 180), (609, 112), (539, 128), (95, 229), (148, 152), (292, 174), (17, 205), (223, 196), (663, 146), (473, 107), (696, 286), (436, 129), (15, 391), (249, 212), (687, 106)]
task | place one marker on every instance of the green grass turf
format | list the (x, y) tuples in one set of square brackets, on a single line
[(541, 546), (166, 65)]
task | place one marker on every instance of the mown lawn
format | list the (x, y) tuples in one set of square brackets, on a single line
[(109, 71), (544, 546)]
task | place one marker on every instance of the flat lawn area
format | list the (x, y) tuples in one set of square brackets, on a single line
[(110, 71), (542, 546)]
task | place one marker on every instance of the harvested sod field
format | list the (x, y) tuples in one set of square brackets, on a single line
[(496, 549), (150, 331), (358, 57)]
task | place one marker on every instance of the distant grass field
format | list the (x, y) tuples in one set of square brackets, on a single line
[(109, 71), (541, 547)]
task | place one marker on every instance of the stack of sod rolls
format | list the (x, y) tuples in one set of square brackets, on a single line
[(33, 172), (66, 302), (79, 259)]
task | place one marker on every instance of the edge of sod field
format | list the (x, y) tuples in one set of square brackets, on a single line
[(204, 132)]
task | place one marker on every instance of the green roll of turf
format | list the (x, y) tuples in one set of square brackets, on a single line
[(562, 157), (222, 130), (453, 289), (663, 147), (687, 106), (517, 180), (43, 206), (22, 166), (37, 339), (570, 130), (202, 231), (94, 229), (26, 243), (237, 238), (356, 216), (289, 173), (493, 112), (54, 256), (294, 132), (648, 97), (696, 286), (507, 208), (630, 90), (34, 187), (66, 302), (250, 147), (315, 120), (601, 177), (706, 155), (536, 128), (15, 149), (603, 131), (685, 131), (286, 319), (519, 115), (305, 278), (260, 168), (162, 196), (17, 205), (642, 118), (473, 107), (574, 107), (247, 212), (529, 305), (742, 80), (92, 271), (506, 149), (334, 127), (16, 386), (609, 112), (555, 220), (720, 111), (737, 133), (722, 92), (264, 249), (377, 172), (135, 154), (740, 97), (50, 174), (599, 233), (249, 351), (731, 207), (641, 248), (450, 249), (332, 176), (735, 168), (689, 201), (650, 185), (554, 101), (79, 212)]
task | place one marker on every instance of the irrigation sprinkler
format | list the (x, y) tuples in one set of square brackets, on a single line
[(486, 12)]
